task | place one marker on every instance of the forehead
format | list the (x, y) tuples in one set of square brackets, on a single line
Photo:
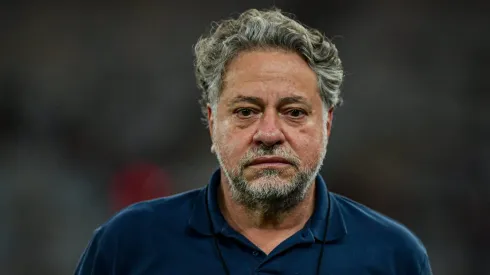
[(269, 73)]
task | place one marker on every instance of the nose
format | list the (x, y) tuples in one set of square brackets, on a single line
[(269, 131)]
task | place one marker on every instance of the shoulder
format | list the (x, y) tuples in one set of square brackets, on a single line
[(361, 219), (131, 234), (136, 227), (139, 223), (146, 214), (367, 225)]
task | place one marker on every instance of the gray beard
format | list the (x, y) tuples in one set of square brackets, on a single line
[(274, 202)]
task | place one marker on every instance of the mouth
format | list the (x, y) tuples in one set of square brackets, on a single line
[(269, 162)]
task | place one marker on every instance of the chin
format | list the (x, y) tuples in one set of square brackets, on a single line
[(269, 173), (270, 182)]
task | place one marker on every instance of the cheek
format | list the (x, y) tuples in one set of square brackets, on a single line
[(308, 143), (232, 142)]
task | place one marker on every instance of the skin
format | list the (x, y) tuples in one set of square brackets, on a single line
[(270, 99)]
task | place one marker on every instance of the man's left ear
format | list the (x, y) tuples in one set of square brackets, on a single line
[(210, 126), (210, 118), (329, 121)]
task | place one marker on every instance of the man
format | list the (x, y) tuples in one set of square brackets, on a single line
[(269, 87)]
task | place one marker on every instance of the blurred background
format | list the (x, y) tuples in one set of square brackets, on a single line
[(98, 109)]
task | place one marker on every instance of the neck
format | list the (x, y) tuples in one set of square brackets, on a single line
[(243, 219)]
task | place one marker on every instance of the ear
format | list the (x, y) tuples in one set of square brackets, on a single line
[(329, 121), (210, 126), (210, 120)]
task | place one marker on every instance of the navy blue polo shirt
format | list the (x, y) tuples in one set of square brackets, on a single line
[(173, 236)]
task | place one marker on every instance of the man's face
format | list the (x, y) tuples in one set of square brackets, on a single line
[(269, 128)]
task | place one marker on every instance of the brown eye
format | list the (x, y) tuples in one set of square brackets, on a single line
[(244, 112), (296, 113)]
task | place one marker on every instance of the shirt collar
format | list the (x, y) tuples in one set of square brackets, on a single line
[(205, 205), (199, 219), (318, 221)]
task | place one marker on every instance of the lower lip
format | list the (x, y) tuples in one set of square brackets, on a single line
[(270, 165)]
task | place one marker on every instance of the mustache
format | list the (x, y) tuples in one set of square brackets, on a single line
[(275, 151)]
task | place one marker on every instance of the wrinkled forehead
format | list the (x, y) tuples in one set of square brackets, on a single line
[(270, 76)]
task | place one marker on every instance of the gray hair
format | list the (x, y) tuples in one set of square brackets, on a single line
[(267, 29)]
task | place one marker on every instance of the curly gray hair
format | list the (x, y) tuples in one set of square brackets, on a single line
[(254, 29)]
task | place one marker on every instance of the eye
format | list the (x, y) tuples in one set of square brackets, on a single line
[(245, 112), (296, 113)]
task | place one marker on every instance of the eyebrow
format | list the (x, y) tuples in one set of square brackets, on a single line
[(248, 99), (294, 99), (258, 101)]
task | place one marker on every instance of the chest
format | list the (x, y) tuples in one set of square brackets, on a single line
[(203, 258)]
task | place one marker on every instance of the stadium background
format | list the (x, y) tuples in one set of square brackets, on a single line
[(98, 108)]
